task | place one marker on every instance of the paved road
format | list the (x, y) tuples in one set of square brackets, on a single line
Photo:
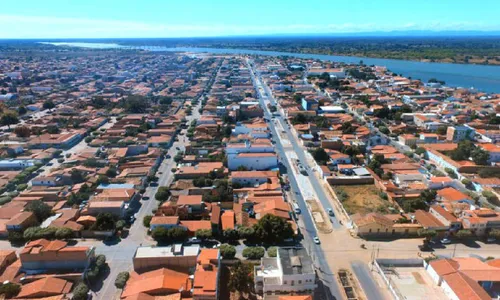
[(306, 223), (367, 283)]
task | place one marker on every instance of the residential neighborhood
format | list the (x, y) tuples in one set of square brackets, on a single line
[(135, 174)]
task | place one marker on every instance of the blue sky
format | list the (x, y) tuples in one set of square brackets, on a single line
[(187, 18)]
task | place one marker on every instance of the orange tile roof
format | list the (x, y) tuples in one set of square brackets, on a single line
[(465, 288), (205, 276), (161, 281), (48, 286), (452, 195), (196, 225), (227, 219), (190, 200)]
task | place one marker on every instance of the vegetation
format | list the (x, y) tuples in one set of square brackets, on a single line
[(241, 278), (9, 289), (147, 221), (97, 266), (320, 156), (162, 194), (41, 210), (272, 229), (80, 292), (254, 252), (104, 222), (463, 234), (170, 235), (121, 279), (203, 234), (272, 251), (227, 251)]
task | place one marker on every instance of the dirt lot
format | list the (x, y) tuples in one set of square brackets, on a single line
[(320, 217), (362, 199)]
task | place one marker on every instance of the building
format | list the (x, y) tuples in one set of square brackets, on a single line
[(42, 255), (291, 271), (160, 282), (175, 257), (21, 221), (45, 288), (459, 133), (206, 275), (251, 178), (253, 161), (378, 225), (15, 164), (309, 104), (464, 278)]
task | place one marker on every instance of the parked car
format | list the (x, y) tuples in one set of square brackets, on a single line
[(168, 156), (316, 240), (330, 212), (445, 241)]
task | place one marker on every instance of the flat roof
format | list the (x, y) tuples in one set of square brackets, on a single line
[(169, 251), (295, 261)]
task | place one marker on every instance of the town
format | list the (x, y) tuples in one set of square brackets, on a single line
[(152, 175)]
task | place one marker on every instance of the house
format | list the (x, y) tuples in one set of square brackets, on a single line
[(159, 282), (203, 169), (116, 208), (253, 161), (42, 255), (291, 271), (440, 182), (493, 150), (206, 275), (459, 133), (21, 221), (375, 224), (45, 287), (194, 203), (174, 257), (445, 217), (429, 138), (15, 164), (251, 178), (480, 221), (164, 221), (451, 195), (227, 220), (466, 278)]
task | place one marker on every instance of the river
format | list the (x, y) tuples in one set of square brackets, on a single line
[(481, 77)]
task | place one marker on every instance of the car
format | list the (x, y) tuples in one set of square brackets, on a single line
[(445, 241), (168, 156), (330, 212), (316, 240), (177, 148), (491, 240), (145, 198), (132, 219)]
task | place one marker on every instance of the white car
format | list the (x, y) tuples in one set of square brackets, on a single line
[(445, 241), (316, 240)]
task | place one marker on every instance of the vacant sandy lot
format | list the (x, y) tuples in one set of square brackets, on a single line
[(362, 199)]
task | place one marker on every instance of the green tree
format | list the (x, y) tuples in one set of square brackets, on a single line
[(162, 194), (320, 155), (271, 229), (227, 251), (22, 131), (246, 232), (80, 292), (41, 210), (253, 252), (203, 234), (104, 222), (21, 110), (427, 234), (241, 278), (230, 234), (494, 233), (463, 234), (272, 251), (136, 104), (121, 279), (420, 151), (63, 233), (299, 119), (10, 289), (48, 104), (480, 156), (428, 195), (147, 221), (9, 118), (77, 176)]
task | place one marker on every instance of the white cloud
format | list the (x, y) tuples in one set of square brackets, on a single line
[(51, 27)]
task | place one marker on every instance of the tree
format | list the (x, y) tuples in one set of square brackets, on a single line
[(246, 232), (80, 292), (489, 173), (147, 221), (384, 129), (299, 119), (63, 233), (41, 210), (451, 173), (174, 234), (490, 196), (21, 110), (463, 234), (272, 229), (162, 194), (272, 251), (120, 224), (104, 222), (52, 129), (9, 118), (412, 204), (241, 278), (428, 195), (480, 156), (442, 130), (136, 104), (10, 289), (102, 179), (253, 252), (320, 155), (121, 279), (48, 104), (420, 151), (230, 234), (22, 131), (77, 176), (427, 234), (494, 233), (227, 251), (203, 234)]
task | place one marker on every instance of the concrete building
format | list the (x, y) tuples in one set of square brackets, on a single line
[(253, 161), (459, 133), (292, 271), (176, 257)]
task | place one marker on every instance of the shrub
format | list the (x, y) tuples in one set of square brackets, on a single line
[(15, 237), (203, 234), (121, 279), (147, 221), (227, 251), (80, 292), (253, 252), (5, 199), (60, 160), (10, 290), (272, 251), (63, 233), (22, 187), (88, 139), (35, 233), (120, 224)]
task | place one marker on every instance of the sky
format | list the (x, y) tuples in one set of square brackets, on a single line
[(201, 18)]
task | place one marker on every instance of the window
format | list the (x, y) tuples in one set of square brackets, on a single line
[(300, 281)]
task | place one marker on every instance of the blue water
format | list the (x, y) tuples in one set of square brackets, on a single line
[(484, 78)]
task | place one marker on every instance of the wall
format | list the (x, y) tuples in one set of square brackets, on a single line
[(176, 263)]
